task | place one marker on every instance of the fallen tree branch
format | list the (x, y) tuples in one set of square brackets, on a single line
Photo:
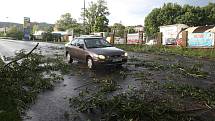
[(22, 57)]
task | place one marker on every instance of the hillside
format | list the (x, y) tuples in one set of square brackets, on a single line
[(9, 24), (40, 26)]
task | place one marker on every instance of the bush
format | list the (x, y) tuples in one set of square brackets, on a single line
[(15, 33), (2, 34)]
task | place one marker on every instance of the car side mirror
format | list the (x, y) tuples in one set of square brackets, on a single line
[(81, 46)]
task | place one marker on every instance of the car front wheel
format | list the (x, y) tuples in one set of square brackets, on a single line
[(90, 63)]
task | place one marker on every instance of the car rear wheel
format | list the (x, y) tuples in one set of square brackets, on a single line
[(68, 58), (90, 63)]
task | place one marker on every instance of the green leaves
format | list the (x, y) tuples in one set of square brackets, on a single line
[(66, 22), (132, 105), (119, 29), (15, 33), (21, 81), (96, 16), (186, 91)]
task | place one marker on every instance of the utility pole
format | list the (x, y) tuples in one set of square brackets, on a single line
[(5, 28), (84, 21)]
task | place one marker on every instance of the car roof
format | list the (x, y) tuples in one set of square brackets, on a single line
[(89, 37)]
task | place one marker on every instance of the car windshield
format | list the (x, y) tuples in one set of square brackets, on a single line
[(96, 43)]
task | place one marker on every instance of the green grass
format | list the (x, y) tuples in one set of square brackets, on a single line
[(202, 53)]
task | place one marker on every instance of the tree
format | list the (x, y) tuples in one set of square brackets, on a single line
[(152, 23), (96, 17), (189, 16), (15, 33), (47, 36), (130, 29), (49, 29), (2, 34), (35, 28), (66, 22), (119, 29), (210, 13)]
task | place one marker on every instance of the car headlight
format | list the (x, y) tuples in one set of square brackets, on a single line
[(101, 57), (126, 54)]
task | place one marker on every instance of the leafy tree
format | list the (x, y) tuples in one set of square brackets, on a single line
[(50, 29), (189, 16), (96, 17), (2, 34), (66, 22), (130, 29), (48, 36), (210, 13), (15, 33), (35, 28), (119, 29), (151, 22), (168, 13)]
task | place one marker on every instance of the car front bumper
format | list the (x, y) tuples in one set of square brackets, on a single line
[(108, 62)]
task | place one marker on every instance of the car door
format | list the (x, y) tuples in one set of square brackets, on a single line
[(81, 52), (72, 48)]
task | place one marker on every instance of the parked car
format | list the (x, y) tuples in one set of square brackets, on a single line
[(171, 41), (94, 51)]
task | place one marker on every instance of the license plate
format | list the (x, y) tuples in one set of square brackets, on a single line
[(117, 59)]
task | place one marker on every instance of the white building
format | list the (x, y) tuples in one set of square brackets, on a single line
[(38, 34), (138, 28)]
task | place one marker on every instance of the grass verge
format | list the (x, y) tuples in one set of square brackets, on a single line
[(202, 53)]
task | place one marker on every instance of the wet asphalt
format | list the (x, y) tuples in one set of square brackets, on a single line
[(53, 105)]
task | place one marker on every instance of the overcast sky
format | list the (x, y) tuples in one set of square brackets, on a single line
[(129, 12)]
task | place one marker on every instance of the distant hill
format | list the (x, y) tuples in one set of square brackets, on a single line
[(41, 26), (9, 24)]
